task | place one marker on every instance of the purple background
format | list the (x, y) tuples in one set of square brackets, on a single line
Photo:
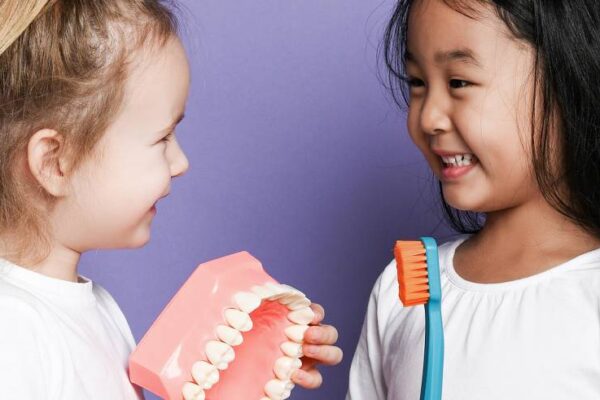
[(297, 155)]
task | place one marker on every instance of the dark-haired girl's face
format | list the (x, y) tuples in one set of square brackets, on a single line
[(470, 105)]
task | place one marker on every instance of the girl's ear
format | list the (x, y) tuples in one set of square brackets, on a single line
[(45, 157)]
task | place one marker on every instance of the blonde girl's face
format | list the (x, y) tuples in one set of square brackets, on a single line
[(471, 94), (115, 191)]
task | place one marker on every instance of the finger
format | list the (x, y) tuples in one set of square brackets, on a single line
[(319, 313), (321, 334), (327, 355), (308, 379)]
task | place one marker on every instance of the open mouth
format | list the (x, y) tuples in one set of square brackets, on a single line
[(230, 332), (455, 166), (458, 160)]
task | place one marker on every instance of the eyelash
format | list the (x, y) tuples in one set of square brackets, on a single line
[(166, 138), (415, 82)]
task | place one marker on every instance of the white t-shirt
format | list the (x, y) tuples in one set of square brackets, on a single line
[(532, 338), (61, 340)]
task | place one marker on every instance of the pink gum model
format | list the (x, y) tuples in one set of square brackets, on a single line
[(163, 360)]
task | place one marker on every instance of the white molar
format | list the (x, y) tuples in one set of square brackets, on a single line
[(219, 354), (291, 349), (292, 290), (277, 289), (238, 319), (262, 291), (302, 316), (205, 374), (285, 367), (191, 391), (296, 332), (246, 301), (290, 298), (299, 303), (278, 390), (229, 335)]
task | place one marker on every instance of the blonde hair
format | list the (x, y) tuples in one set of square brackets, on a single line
[(18, 16), (63, 65)]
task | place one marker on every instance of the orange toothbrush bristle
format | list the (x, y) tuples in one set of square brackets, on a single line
[(411, 262)]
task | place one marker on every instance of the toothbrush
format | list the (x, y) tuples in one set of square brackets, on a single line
[(419, 279)]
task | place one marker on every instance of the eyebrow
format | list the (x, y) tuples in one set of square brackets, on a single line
[(463, 55), (173, 124)]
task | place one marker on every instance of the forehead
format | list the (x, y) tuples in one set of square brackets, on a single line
[(157, 85), (439, 32), (158, 70)]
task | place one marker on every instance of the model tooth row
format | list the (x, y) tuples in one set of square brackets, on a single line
[(220, 353), (277, 389)]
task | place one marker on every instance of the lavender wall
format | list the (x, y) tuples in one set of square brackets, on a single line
[(297, 155)]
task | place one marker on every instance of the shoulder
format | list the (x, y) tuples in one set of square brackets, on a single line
[(106, 301), (22, 317), (19, 303)]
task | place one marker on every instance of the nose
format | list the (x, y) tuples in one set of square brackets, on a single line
[(435, 114), (179, 163)]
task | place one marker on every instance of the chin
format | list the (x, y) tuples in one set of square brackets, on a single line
[(464, 201), (138, 239)]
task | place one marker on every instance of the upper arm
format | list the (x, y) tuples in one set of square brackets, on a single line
[(367, 380)]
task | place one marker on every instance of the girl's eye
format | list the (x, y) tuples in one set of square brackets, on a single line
[(415, 82), (458, 83), (166, 138)]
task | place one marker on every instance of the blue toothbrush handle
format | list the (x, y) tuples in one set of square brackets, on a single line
[(433, 362)]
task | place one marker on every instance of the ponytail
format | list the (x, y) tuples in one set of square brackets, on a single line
[(16, 15)]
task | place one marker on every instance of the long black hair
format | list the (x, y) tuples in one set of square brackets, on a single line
[(565, 36)]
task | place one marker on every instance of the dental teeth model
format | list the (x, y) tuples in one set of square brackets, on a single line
[(230, 332)]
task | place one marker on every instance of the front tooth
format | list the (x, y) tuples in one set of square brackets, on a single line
[(291, 289), (219, 354), (191, 391), (264, 292), (229, 335), (277, 289), (285, 367), (290, 298), (299, 303), (291, 349), (277, 390), (205, 374), (238, 319), (303, 316), (246, 301), (296, 332)]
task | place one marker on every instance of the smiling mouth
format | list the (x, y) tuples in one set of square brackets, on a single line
[(458, 160)]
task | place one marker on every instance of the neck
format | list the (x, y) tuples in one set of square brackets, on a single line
[(522, 241), (61, 263)]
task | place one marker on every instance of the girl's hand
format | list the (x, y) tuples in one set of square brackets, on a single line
[(318, 348)]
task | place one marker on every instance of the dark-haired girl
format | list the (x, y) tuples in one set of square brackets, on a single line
[(504, 103)]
